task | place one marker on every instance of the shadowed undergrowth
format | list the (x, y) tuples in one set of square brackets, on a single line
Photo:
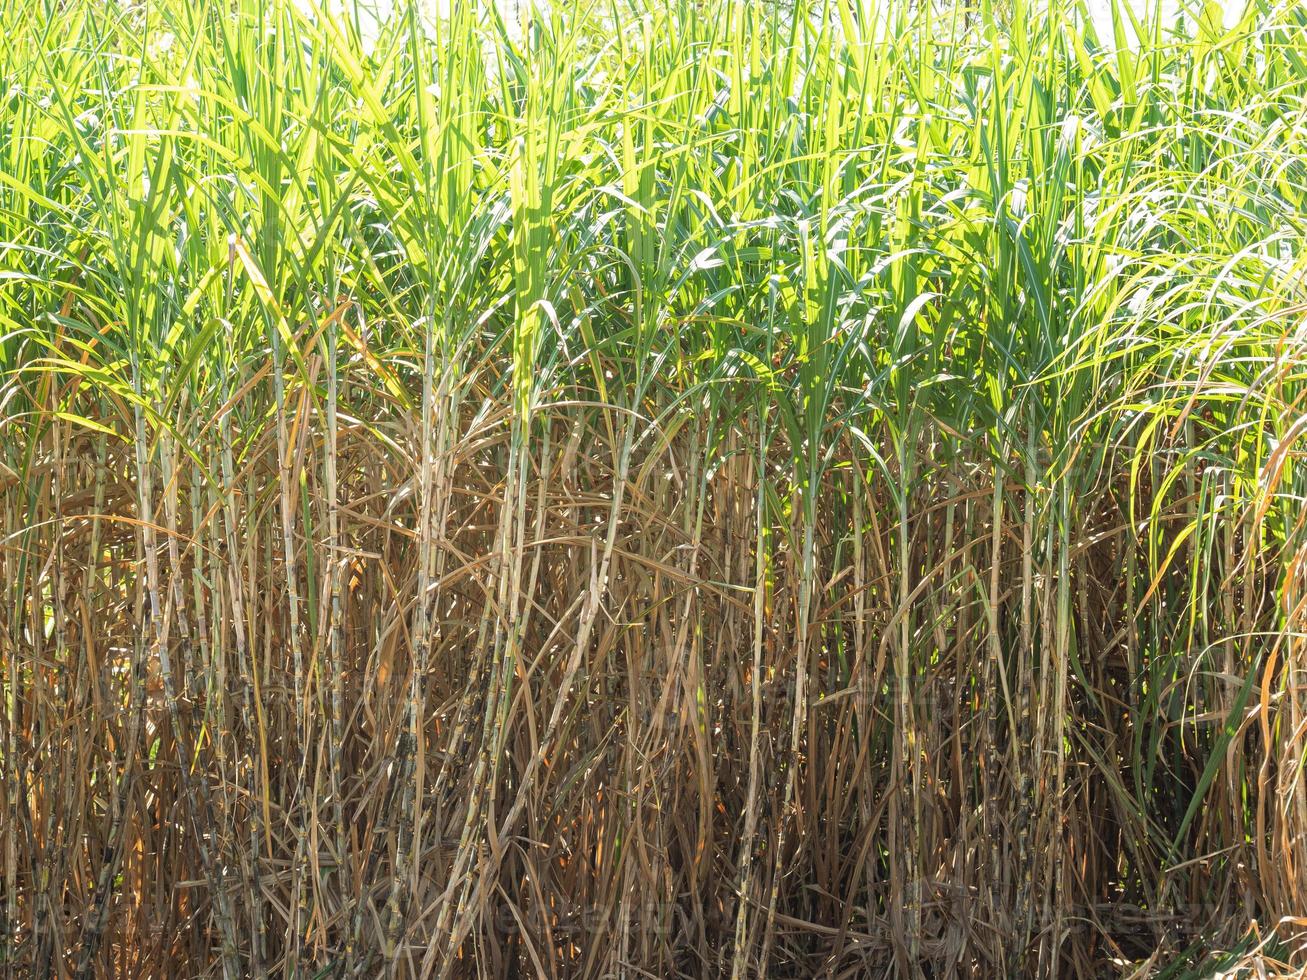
[(735, 494)]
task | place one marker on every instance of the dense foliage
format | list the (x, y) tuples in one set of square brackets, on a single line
[(667, 489)]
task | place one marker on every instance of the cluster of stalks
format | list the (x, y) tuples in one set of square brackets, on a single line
[(652, 489)]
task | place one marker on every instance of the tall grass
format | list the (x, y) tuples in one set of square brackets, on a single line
[(658, 489)]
